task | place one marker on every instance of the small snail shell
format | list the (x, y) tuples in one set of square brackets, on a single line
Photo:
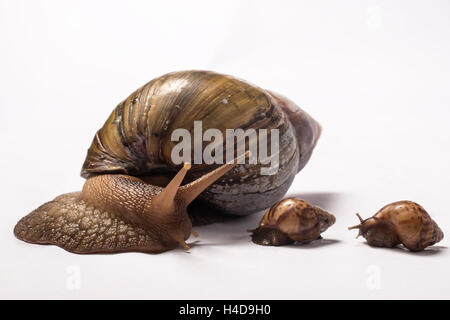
[(292, 220), (118, 213), (403, 222), (136, 138)]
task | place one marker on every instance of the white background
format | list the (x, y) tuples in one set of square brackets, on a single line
[(375, 74)]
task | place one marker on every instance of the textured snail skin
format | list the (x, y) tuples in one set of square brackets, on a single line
[(136, 138), (292, 220), (402, 222), (118, 213), (78, 227)]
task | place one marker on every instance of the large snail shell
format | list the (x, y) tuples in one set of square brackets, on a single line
[(136, 138)]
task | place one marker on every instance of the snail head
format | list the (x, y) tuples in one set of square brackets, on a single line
[(378, 232), (326, 219)]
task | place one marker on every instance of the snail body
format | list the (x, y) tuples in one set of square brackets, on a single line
[(292, 220), (402, 222)]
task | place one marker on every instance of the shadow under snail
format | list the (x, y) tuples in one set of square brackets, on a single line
[(292, 220), (402, 222), (124, 206)]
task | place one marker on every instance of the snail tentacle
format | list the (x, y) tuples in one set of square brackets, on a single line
[(189, 192)]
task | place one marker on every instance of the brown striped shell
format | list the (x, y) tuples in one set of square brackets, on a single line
[(136, 138), (292, 220), (402, 222)]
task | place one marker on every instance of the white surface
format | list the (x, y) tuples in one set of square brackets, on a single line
[(376, 75)]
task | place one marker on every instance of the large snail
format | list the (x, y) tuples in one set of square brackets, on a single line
[(402, 222), (292, 220), (119, 208)]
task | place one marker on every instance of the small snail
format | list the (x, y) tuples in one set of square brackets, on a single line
[(403, 222), (129, 163), (292, 220), (116, 213)]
